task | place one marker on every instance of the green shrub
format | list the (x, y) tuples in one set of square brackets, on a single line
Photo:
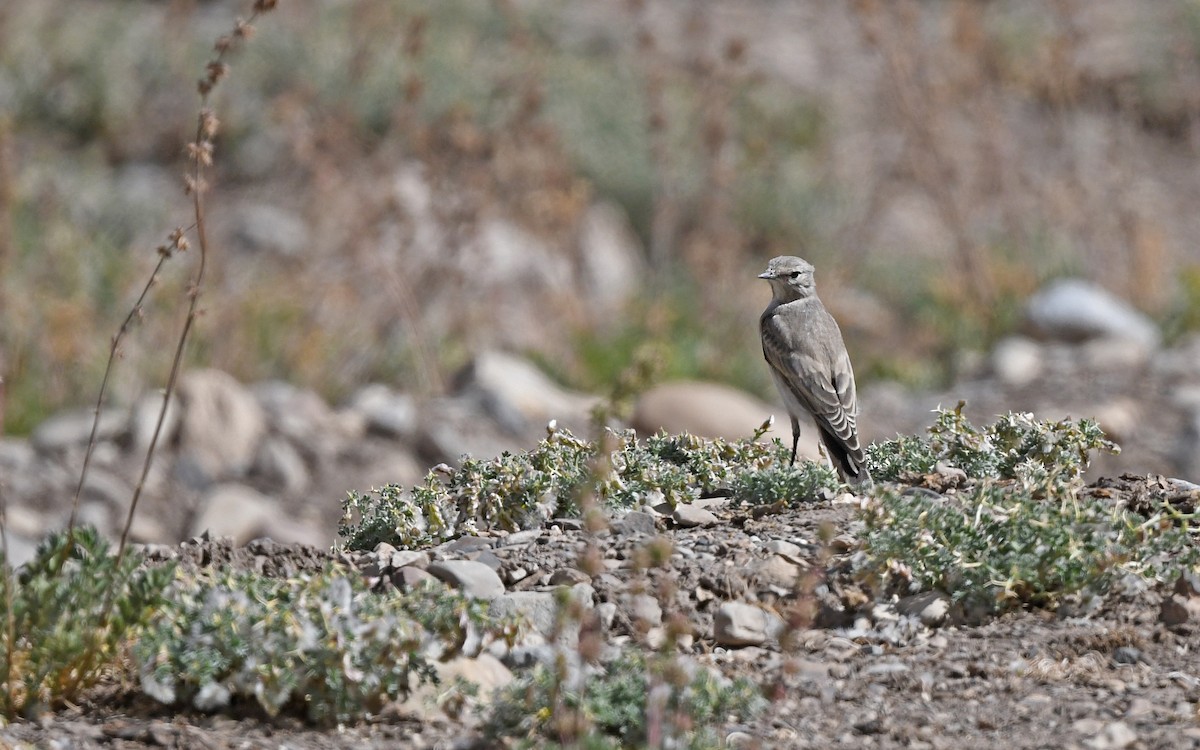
[(516, 491), (321, 642), (1016, 445), (1013, 543), (614, 707), (71, 612), (804, 482)]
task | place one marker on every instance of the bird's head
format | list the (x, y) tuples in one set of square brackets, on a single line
[(790, 278)]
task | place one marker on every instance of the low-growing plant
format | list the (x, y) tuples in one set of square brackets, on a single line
[(1015, 445), (806, 481), (516, 491), (321, 643), (70, 610), (612, 707), (1005, 544)]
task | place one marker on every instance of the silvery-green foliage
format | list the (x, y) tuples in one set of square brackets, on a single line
[(322, 643), (523, 490), (1015, 445)]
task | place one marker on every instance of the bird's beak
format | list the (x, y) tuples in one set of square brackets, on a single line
[(766, 275)]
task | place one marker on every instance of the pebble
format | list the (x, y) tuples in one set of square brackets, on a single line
[(690, 516), (472, 578)]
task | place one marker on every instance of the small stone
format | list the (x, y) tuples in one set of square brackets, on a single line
[(472, 578), (777, 571), (408, 578), (739, 624), (689, 516), (1127, 655), (568, 577), (465, 544), (645, 609), (401, 558), (1139, 708), (780, 547), (634, 523)]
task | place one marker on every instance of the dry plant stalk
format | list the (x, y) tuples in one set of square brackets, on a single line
[(200, 157)]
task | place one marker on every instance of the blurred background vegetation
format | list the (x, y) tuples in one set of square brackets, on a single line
[(401, 183)]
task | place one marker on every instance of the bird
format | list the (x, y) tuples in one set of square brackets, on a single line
[(803, 346)]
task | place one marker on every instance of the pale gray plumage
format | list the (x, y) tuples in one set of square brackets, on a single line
[(804, 348)]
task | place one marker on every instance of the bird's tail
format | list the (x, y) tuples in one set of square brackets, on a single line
[(851, 465)]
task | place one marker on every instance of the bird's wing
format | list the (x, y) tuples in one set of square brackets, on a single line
[(824, 385)]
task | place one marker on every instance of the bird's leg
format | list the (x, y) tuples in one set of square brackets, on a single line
[(795, 439)]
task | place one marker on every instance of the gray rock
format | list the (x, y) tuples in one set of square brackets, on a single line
[(237, 511), (781, 547), (644, 609), (410, 577), (689, 516), (472, 578), (281, 466), (449, 428), (301, 416), (1075, 310), (778, 572), (568, 577), (221, 424), (540, 610), (387, 413), (739, 624), (519, 396), (72, 429), (635, 522)]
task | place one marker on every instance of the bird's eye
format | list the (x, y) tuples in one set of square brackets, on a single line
[(794, 275)]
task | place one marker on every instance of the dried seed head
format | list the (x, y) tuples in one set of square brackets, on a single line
[(264, 6), (243, 30), (208, 123)]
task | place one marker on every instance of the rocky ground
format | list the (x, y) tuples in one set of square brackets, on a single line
[(860, 674)]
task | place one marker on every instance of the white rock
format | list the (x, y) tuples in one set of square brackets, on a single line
[(472, 578), (1076, 310), (1017, 361), (688, 516), (72, 429)]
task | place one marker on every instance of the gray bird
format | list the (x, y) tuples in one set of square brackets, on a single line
[(808, 359)]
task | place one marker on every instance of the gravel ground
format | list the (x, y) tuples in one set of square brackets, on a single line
[(859, 674)]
